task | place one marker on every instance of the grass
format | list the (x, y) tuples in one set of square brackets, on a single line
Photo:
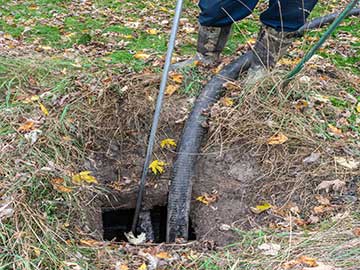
[(72, 84)]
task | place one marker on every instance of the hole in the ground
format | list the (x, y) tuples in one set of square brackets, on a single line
[(118, 221)]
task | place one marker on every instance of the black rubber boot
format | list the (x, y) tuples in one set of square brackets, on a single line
[(211, 42), (270, 46)]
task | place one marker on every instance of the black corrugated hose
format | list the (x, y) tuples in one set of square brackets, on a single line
[(179, 197)]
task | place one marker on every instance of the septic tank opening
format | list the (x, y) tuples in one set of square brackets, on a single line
[(118, 221)]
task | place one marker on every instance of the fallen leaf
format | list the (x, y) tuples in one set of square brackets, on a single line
[(228, 102), (176, 77), (152, 31), (142, 267), (300, 105), (225, 227), (207, 198), (171, 89), (336, 185), (43, 109), (289, 62), (278, 138), (358, 107), (307, 261), (356, 231), (72, 265), (312, 158), (6, 208), (36, 251), (135, 240), (27, 126), (334, 130), (231, 86), (347, 162), (261, 208), (141, 56), (90, 242), (157, 166), (33, 135), (123, 267), (269, 249), (322, 200), (84, 176), (163, 255), (168, 143)]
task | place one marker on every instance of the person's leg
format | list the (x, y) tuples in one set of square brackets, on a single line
[(215, 21), (280, 22), (219, 13), (287, 15)]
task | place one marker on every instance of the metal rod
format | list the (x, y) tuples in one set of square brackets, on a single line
[(159, 102)]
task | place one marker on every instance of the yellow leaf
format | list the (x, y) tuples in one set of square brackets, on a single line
[(176, 77), (34, 98), (168, 143), (141, 56), (278, 138), (37, 251), (163, 255), (27, 126), (152, 31), (157, 166), (203, 200), (124, 267), (171, 89), (261, 208), (127, 36), (164, 9), (7, 36), (228, 102), (142, 267), (334, 130), (83, 177), (358, 107), (251, 41), (44, 109)]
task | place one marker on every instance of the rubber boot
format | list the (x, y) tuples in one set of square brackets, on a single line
[(270, 46), (211, 42)]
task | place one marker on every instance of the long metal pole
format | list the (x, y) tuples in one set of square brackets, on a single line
[(159, 102)]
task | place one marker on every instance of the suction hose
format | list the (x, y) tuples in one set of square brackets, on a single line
[(180, 189)]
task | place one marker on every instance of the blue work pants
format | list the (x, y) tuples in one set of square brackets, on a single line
[(282, 15)]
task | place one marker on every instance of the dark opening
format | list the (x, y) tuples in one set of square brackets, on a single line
[(118, 221)]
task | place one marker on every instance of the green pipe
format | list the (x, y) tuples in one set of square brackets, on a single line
[(321, 41)]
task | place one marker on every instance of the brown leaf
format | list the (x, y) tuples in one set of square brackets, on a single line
[(171, 89), (176, 77), (278, 138), (336, 185), (356, 231), (308, 261), (163, 255), (27, 126), (322, 200)]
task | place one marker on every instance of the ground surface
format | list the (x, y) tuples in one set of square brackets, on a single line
[(78, 81)]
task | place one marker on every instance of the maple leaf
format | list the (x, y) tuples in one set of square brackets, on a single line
[(157, 166), (278, 138), (83, 177), (168, 143)]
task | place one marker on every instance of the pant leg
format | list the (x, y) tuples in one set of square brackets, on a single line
[(220, 13), (287, 15)]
